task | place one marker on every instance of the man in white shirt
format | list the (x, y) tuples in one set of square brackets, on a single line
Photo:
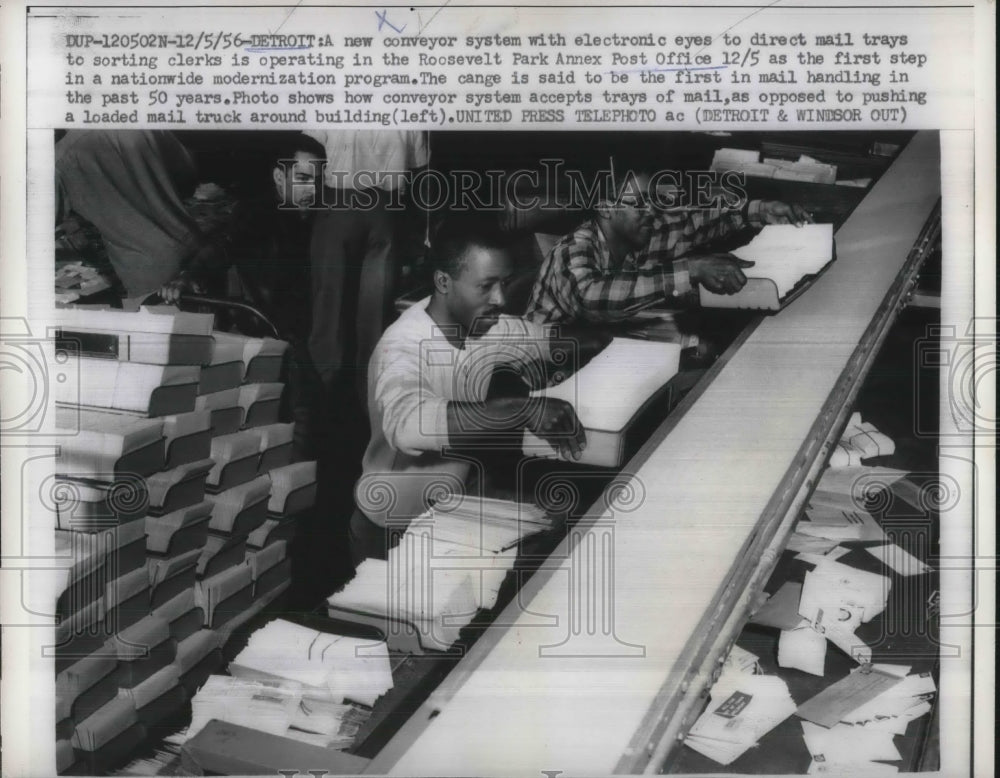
[(429, 381)]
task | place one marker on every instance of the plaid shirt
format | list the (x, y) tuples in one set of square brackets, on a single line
[(578, 282)]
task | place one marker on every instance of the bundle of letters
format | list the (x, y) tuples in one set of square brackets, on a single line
[(449, 564), (299, 683), (849, 726), (174, 497), (743, 707), (279, 708), (859, 442)]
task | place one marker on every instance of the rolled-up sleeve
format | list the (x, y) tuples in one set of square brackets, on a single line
[(600, 296), (678, 233)]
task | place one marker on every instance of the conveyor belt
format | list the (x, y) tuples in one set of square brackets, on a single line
[(592, 683)]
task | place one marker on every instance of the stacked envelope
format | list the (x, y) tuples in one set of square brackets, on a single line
[(849, 726), (860, 441), (278, 707), (843, 749), (416, 606), (187, 437), (154, 573), (896, 707), (327, 666), (261, 357), (742, 709), (449, 564)]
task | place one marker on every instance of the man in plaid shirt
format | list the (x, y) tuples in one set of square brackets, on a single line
[(627, 258)]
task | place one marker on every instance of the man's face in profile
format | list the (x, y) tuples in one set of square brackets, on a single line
[(477, 295), (298, 183)]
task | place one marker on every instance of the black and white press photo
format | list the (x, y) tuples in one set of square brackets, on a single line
[(481, 390)]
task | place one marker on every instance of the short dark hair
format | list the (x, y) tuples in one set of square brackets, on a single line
[(625, 176), (292, 143), (455, 234)]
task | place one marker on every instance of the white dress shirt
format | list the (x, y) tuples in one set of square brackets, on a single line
[(414, 373), (355, 158)]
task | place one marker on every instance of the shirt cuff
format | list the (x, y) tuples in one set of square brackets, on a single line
[(755, 213), (680, 278)]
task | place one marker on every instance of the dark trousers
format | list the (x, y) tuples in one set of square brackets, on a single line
[(302, 402), (353, 256), (370, 540)]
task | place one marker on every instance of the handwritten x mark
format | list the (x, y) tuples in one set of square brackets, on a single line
[(383, 21)]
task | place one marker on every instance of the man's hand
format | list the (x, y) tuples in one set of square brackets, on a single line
[(555, 422), (777, 212), (719, 273), (184, 283)]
